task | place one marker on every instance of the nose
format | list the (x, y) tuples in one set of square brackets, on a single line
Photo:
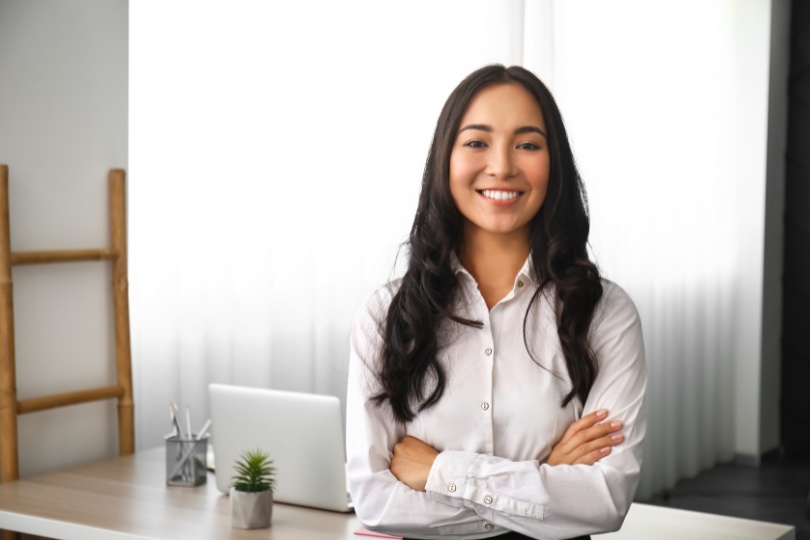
[(501, 164)]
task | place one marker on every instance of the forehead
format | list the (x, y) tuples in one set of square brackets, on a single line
[(503, 104)]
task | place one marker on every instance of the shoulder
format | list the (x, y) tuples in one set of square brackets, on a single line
[(614, 295), (376, 305), (616, 311), (369, 323)]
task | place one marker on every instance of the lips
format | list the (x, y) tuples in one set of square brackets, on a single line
[(500, 195)]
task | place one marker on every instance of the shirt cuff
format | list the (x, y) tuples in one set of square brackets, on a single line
[(448, 476), (454, 479)]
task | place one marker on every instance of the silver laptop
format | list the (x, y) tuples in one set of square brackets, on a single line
[(303, 434)]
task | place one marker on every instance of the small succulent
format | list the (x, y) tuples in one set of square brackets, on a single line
[(255, 472)]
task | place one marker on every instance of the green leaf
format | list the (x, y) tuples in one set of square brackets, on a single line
[(254, 472)]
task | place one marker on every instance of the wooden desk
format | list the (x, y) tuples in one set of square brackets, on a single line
[(127, 499)]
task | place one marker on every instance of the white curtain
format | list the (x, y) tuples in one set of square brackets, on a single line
[(666, 103), (276, 151)]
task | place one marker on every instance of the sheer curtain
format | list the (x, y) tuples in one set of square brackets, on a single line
[(666, 103), (276, 151)]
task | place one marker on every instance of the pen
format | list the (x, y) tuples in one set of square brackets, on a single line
[(188, 424), (204, 429), (175, 424), (171, 418)]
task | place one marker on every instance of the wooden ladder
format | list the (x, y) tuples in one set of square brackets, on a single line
[(10, 407)]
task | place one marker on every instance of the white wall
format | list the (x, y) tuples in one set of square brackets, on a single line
[(63, 125)]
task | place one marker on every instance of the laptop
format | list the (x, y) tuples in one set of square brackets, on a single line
[(303, 433)]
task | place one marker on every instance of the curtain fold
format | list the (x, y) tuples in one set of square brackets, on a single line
[(660, 110), (276, 152)]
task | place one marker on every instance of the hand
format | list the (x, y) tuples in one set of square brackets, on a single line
[(586, 441), (412, 462)]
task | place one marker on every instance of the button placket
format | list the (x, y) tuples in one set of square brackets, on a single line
[(485, 404), (487, 345)]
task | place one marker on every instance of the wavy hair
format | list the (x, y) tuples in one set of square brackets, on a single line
[(428, 292)]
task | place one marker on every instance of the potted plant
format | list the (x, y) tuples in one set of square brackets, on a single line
[(252, 490)]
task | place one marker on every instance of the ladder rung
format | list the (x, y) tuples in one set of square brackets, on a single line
[(68, 255), (68, 398)]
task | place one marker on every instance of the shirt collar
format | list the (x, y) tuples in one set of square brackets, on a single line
[(526, 271), (456, 265)]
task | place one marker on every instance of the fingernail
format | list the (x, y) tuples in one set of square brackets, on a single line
[(617, 437), (601, 413), (615, 424), (605, 450)]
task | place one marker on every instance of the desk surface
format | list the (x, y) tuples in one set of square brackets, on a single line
[(127, 499)]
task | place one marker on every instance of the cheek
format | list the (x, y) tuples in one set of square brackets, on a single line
[(463, 170), (537, 174)]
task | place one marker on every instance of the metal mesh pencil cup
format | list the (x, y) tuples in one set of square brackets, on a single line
[(186, 461)]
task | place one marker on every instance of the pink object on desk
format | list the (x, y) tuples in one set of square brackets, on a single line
[(366, 532)]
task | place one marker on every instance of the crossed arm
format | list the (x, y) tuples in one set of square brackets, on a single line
[(402, 485), (586, 441)]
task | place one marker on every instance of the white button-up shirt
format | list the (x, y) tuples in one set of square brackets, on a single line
[(497, 422)]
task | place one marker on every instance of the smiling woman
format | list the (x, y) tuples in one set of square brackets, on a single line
[(500, 383)]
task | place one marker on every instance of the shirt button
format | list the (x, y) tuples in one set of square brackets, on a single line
[(488, 351), (520, 284), (485, 406), (451, 488), (489, 526), (488, 499)]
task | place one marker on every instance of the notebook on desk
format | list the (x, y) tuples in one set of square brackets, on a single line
[(303, 433)]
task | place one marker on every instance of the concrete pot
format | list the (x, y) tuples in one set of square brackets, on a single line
[(251, 510)]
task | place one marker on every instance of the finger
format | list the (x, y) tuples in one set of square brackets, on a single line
[(596, 445), (592, 457), (583, 423), (589, 439), (402, 447), (593, 433)]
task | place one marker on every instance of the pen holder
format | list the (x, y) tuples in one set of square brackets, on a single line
[(185, 461)]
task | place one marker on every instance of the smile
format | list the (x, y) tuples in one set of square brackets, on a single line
[(500, 195)]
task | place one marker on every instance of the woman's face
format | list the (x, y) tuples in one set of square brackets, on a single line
[(499, 164)]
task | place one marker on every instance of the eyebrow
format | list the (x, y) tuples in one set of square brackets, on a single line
[(518, 131)]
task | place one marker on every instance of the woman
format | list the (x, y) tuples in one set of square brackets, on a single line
[(497, 388)]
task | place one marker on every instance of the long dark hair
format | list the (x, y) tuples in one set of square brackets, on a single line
[(427, 294)]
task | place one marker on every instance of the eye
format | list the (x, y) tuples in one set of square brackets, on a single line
[(475, 144), (528, 146)]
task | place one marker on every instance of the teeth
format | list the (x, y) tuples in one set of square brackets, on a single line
[(500, 195)]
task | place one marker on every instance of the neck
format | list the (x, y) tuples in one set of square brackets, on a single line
[(494, 260)]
